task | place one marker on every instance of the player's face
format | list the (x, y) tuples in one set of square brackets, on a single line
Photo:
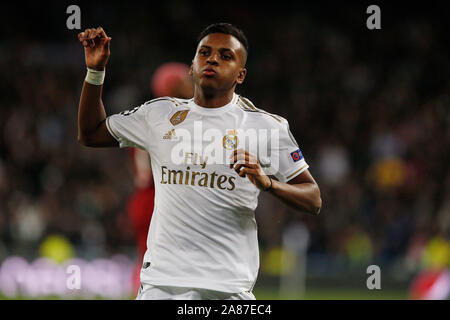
[(219, 63)]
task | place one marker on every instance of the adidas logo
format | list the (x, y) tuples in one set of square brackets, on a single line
[(170, 135)]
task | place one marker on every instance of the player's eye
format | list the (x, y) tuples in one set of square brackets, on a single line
[(203, 52)]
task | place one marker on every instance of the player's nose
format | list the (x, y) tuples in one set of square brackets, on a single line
[(213, 59)]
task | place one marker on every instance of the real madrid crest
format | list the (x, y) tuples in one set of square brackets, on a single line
[(178, 117), (230, 140)]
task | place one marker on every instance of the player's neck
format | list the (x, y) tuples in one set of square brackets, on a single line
[(216, 100)]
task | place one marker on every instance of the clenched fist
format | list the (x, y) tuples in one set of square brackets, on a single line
[(96, 47), (247, 165)]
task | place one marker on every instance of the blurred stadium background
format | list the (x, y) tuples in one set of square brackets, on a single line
[(370, 110)]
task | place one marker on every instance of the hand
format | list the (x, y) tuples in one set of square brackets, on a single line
[(247, 165), (96, 47)]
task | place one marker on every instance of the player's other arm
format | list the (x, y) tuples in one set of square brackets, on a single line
[(92, 131), (301, 192)]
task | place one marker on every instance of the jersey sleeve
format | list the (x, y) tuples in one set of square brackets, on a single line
[(130, 128), (287, 160)]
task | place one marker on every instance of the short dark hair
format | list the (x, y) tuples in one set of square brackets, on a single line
[(226, 28)]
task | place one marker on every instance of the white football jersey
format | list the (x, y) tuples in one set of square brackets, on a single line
[(203, 232)]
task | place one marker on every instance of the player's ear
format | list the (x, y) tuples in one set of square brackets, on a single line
[(241, 76), (190, 68)]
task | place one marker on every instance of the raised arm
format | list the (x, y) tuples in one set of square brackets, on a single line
[(92, 131)]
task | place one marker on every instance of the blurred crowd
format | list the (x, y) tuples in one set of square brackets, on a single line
[(369, 109)]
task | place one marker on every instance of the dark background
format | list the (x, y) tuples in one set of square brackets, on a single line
[(369, 108)]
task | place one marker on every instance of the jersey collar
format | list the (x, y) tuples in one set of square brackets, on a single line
[(214, 111)]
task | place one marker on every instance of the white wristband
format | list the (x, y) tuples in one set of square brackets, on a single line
[(95, 77)]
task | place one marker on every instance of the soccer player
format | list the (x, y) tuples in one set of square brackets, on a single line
[(202, 241)]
